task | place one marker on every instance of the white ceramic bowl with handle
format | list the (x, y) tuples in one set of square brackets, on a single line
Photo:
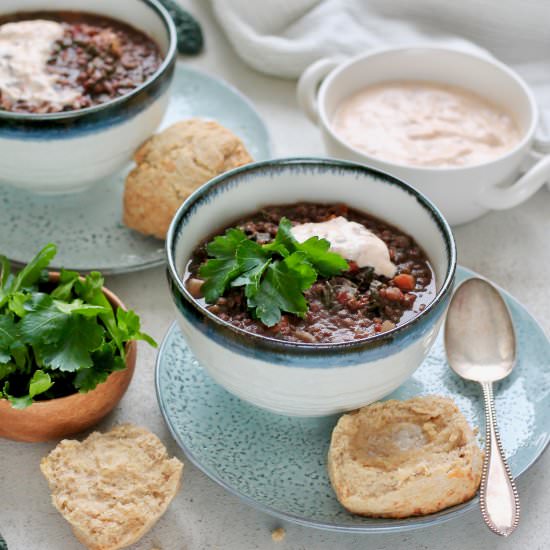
[(72, 150), (462, 193)]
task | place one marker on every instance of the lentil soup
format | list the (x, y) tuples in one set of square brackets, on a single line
[(357, 304), (52, 61)]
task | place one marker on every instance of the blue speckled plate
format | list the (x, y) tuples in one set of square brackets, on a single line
[(87, 226), (278, 464)]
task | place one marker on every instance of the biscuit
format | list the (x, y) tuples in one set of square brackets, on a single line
[(112, 487), (171, 165), (404, 458)]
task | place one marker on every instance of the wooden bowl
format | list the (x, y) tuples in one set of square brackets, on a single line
[(57, 418)]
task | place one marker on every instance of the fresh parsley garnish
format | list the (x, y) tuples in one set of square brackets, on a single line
[(58, 339), (274, 275)]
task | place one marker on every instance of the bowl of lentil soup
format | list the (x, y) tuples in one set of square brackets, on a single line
[(82, 84), (358, 318)]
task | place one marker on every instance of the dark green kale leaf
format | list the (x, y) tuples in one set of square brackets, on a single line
[(190, 39)]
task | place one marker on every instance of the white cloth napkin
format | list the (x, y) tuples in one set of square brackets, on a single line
[(282, 37)]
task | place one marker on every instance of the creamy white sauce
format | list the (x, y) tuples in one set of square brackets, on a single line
[(426, 124), (352, 240), (25, 47)]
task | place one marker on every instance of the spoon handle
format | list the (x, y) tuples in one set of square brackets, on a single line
[(498, 499)]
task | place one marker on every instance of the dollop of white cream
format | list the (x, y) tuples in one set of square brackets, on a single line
[(352, 240), (25, 47)]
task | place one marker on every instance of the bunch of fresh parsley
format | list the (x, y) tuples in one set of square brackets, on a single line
[(274, 275), (56, 339)]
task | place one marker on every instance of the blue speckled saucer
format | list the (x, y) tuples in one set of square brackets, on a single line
[(87, 226), (278, 464)]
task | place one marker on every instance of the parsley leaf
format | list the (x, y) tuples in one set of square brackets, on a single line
[(44, 322), (316, 250), (252, 261), (282, 289), (32, 272), (72, 352), (8, 335), (221, 270), (271, 285), (129, 327), (67, 280), (40, 382), (106, 360)]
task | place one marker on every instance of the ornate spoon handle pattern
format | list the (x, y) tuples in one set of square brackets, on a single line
[(499, 499)]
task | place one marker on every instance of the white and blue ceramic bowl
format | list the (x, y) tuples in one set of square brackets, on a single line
[(299, 378), (69, 151)]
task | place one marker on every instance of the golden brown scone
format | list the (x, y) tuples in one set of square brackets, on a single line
[(112, 487), (404, 458), (171, 165)]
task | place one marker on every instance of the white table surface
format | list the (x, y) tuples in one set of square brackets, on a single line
[(512, 248)]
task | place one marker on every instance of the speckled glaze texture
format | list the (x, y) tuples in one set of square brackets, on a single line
[(87, 226), (278, 464)]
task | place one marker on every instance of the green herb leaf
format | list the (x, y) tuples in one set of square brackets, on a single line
[(17, 402), (91, 291), (220, 271), (67, 280), (81, 336), (129, 327), (44, 322), (31, 273), (53, 342), (270, 285), (106, 360), (284, 242), (6, 369), (40, 382), (326, 263), (8, 335), (252, 261), (5, 271), (16, 303), (282, 289), (78, 306)]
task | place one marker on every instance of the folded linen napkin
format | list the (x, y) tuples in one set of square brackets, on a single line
[(282, 37)]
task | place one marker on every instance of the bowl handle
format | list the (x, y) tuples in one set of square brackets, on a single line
[(501, 198), (308, 84)]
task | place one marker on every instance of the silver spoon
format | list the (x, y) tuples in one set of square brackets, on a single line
[(481, 346)]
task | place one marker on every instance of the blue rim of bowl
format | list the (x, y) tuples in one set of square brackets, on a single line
[(302, 347), (168, 60), (385, 526)]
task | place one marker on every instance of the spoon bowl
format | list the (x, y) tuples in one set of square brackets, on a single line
[(481, 346), (479, 335)]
